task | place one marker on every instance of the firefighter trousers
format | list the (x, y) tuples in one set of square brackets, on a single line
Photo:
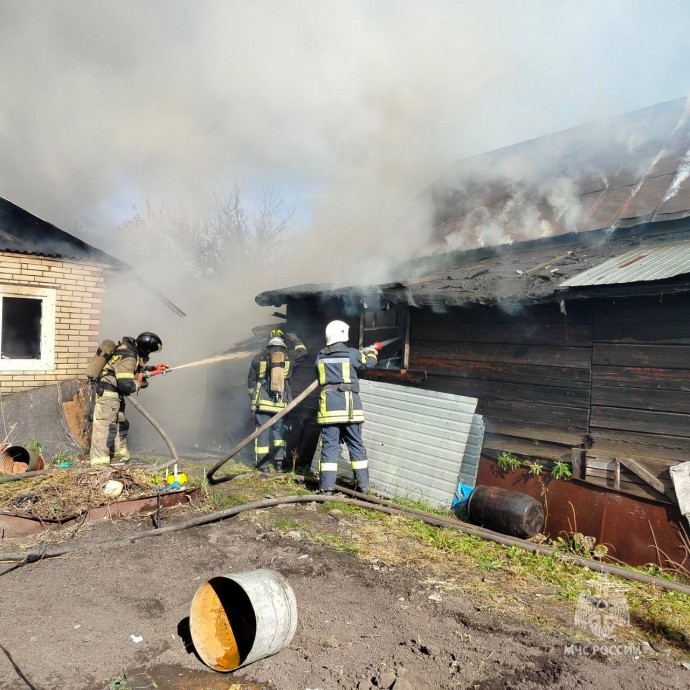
[(332, 435), (109, 432), (269, 446)]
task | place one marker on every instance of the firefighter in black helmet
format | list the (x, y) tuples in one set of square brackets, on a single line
[(269, 392), (122, 375)]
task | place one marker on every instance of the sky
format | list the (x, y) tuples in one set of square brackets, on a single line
[(349, 107)]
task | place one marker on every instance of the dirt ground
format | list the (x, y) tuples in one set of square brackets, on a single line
[(68, 622)]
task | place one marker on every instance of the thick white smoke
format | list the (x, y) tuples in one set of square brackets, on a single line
[(350, 107)]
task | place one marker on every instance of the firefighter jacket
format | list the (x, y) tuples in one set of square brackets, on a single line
[(119, 375), (258, 380), (336, 367)]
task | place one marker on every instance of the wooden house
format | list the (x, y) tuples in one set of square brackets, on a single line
[(577, 345)]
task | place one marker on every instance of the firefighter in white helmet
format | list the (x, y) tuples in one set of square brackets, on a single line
[(269, 392), (340, 414)]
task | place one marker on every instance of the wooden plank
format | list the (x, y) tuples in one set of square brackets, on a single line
[(576, 357), (509, 373), (563, 435), (617, 474), (641, 398), (524, 446), (529, 412), (641, 421), (577, 460), (654, 466), (642, 473), (643, 332), (518, 392), (520, 333), (640, 445), (642, 377), (658, 467), (639, 490), (662, 356)]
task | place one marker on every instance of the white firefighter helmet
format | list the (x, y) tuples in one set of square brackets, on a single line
[(276, 342), (337, 332)]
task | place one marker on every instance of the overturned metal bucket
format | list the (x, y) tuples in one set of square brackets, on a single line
[(240, 618)]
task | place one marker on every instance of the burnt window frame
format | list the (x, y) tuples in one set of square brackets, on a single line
[(47, 296), (403, 311)]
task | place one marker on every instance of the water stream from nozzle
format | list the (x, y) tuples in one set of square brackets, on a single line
[(213, 360)]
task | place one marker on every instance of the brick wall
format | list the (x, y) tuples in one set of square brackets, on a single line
[(78, 292)]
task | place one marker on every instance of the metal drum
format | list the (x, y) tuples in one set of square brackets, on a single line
[(505, 511), (240, 618)]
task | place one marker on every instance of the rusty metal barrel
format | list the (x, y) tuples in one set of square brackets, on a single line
[(505, 511), (243, 617)]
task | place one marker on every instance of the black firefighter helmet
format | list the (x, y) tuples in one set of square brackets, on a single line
[(146, 343)]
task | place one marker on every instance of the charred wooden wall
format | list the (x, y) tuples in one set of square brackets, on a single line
[(531, 371), (640, 389), (612, 377)]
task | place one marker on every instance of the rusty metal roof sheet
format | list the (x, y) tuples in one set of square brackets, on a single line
[(624, 171), (651, 262)]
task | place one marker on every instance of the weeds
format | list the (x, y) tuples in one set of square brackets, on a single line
[(35, 447), (508, 462), (561, 470)]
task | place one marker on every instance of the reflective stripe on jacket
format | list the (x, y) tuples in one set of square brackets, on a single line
[(258, 380), (336, 368), (120, 372)]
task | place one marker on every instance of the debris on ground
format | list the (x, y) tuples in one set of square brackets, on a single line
[(67, 494)]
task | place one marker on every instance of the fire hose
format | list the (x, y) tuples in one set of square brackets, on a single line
[(142, 411), (277, 417), (370, 503), (243, 444)]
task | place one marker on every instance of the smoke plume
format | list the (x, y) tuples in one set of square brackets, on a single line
[(351, 108)]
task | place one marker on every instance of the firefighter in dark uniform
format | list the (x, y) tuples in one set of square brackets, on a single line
[(123, 374), (340, 413), (269, 392)]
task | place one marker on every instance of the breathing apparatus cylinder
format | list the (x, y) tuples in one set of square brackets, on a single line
[(276, 365), (100, 359)]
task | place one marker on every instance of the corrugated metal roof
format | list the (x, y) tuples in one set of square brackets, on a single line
[(652, 262), (416, 441)]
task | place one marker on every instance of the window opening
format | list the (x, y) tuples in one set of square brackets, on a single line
[(389, 323), (21, 328)]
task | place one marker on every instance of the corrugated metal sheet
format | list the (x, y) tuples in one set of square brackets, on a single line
[(416, 441), (473, 451), (665, 260)]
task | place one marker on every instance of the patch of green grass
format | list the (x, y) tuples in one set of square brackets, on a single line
[(406, 540)]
